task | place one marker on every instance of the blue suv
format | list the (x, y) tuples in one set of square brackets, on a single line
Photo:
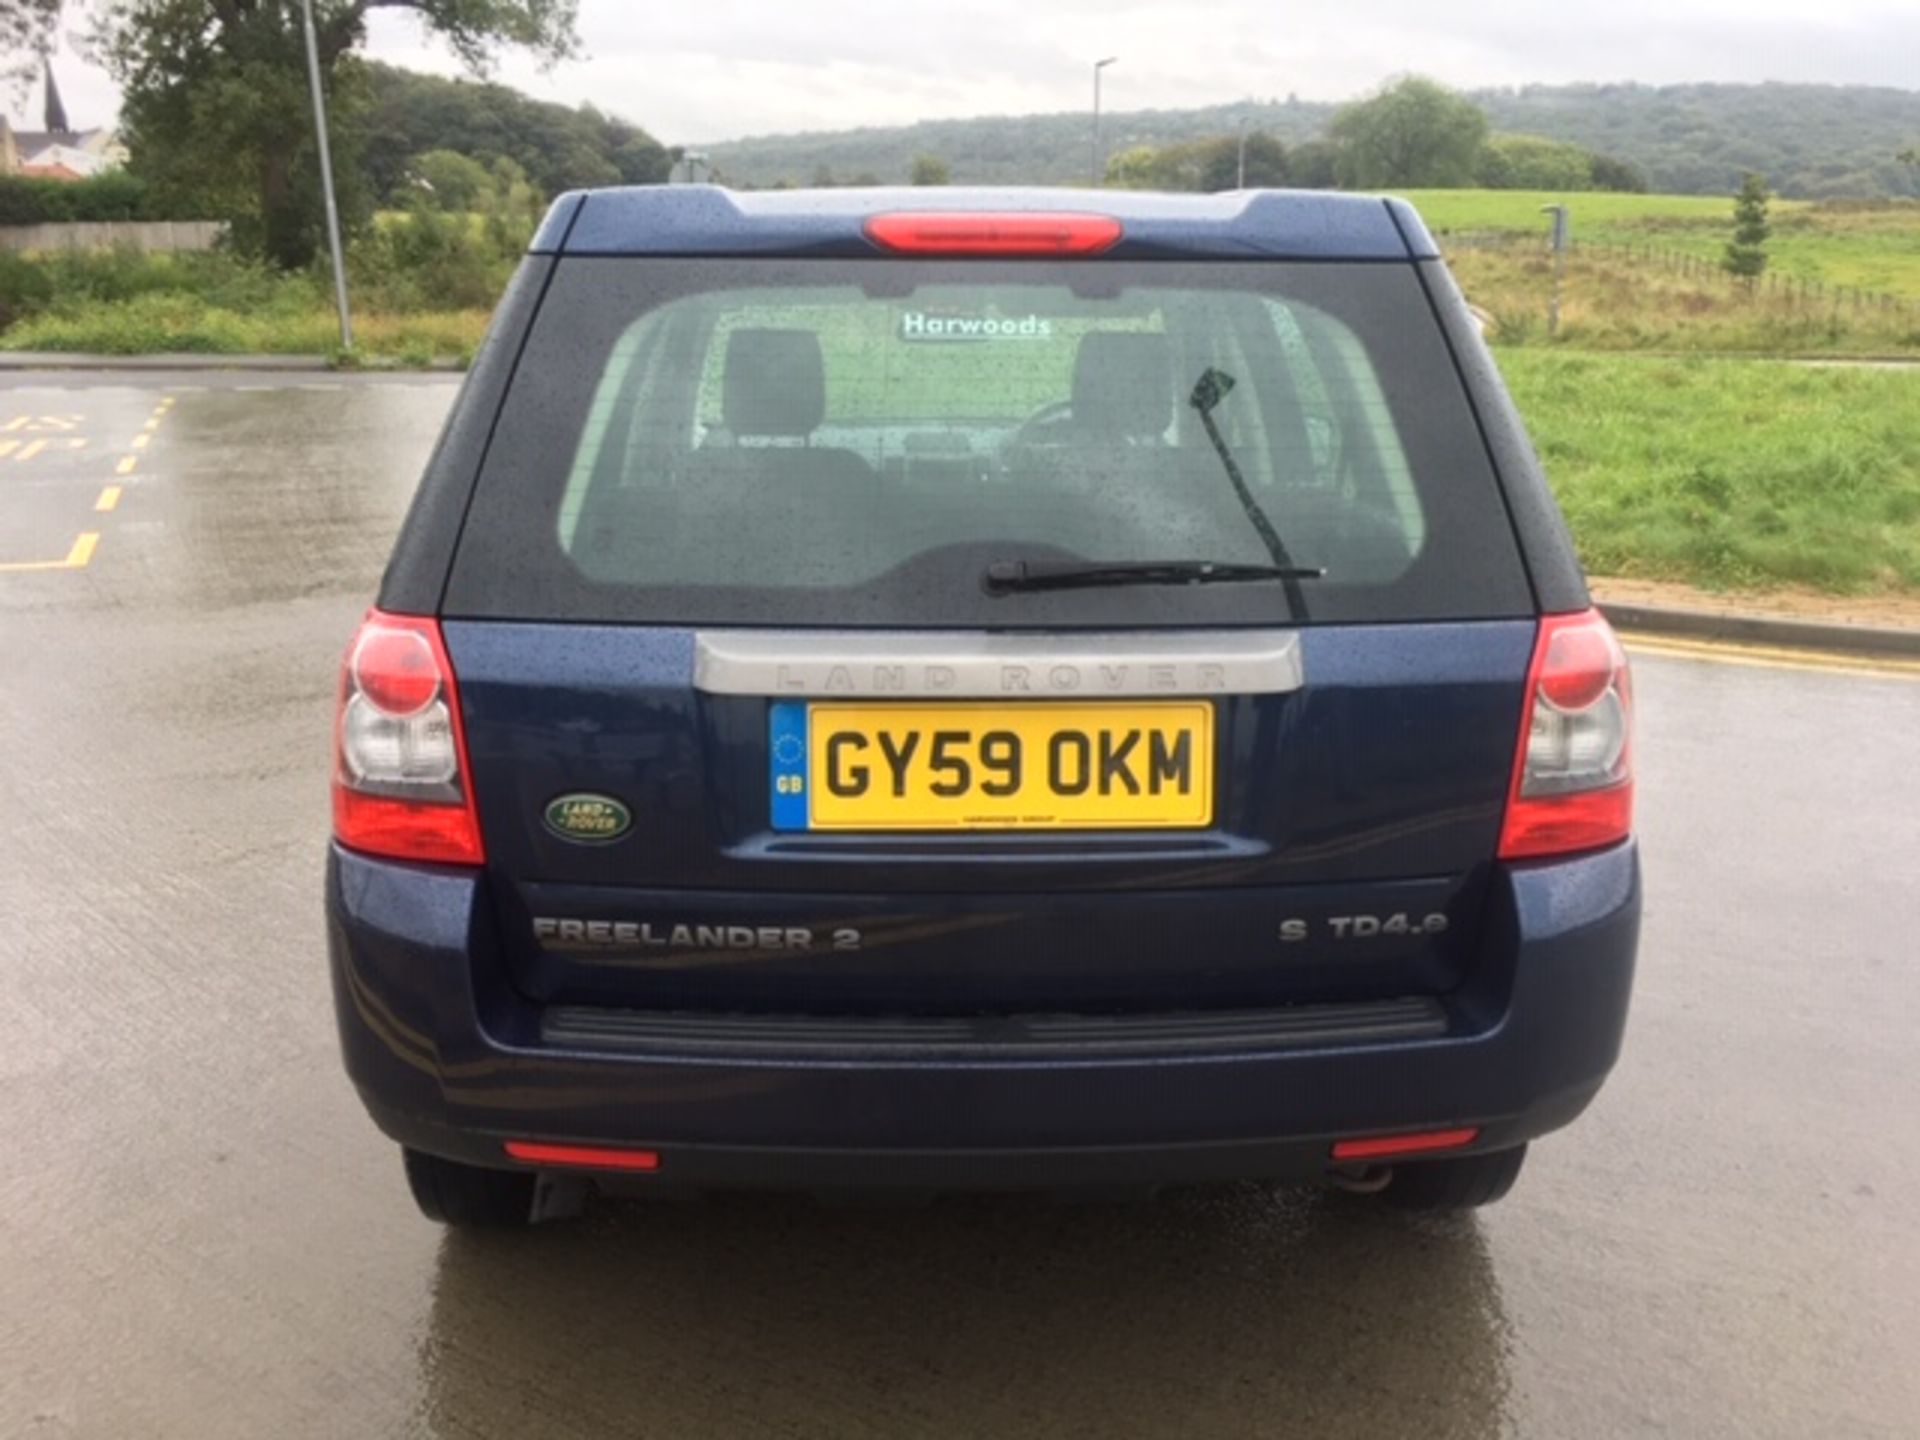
[(979, 689)]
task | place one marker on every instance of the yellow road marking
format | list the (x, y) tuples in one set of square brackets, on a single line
[(43, 422), (1771, 657), (151, 425), (109, 498), (127, 462), (140, 441), (7, 447), (77, 557), (34, 447)]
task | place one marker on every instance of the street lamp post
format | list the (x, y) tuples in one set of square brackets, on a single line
[(326, 177), (1099, 169), (1240, 170)]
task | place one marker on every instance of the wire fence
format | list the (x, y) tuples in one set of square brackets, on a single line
[(1795, 290)]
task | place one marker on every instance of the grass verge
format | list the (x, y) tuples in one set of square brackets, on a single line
[(1862, 244), (1615, 303), (175, 323), (1729, 472)]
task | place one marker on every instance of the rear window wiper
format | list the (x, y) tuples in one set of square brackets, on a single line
[(1213, 387), (1007, 577)]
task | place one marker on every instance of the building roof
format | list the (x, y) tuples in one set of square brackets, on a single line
[(32, 142)]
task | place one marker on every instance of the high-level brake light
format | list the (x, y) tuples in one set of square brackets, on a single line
[(1008, 233), (400, 777), (1572, 785)]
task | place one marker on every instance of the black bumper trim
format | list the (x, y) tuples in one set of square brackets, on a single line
[(1003, 1037)]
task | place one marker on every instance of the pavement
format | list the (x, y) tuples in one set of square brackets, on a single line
[(202, 1236)]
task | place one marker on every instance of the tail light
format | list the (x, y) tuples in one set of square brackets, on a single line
[(1419, 1142), (1573, 778), (400, 776), (1006, 233)]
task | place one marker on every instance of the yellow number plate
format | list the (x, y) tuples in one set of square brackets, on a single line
[(1146, 765)]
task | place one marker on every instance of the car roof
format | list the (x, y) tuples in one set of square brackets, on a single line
[(698, 220)]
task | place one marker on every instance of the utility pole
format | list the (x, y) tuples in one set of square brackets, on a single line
[(326, 177), (1559, 213), (1240, 170), (1098, 161)]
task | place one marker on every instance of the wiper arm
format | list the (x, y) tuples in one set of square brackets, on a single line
[(1007, 577), (1213, 387)]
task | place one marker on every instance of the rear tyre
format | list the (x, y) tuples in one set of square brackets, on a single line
[(468, 1197), (1461, 1184)]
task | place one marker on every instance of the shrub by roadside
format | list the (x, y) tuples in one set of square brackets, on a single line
[(422, 287)]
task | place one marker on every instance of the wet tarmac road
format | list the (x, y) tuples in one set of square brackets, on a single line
[(201, 1235)]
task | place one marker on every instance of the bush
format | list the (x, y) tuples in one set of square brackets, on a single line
[(29, 200), (427, 260), (422, 285), (26, 288)]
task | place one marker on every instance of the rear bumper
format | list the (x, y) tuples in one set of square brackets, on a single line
[(449, 1059)]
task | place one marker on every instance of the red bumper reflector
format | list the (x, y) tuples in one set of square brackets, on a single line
[(1017, 232), (585, 1157), (1381, 1147)]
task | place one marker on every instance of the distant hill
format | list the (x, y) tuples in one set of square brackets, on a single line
[(1809, 140)]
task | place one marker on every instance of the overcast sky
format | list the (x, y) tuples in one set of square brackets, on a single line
[(717, 69)]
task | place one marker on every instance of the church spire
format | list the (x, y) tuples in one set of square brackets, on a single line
[(56, 112)]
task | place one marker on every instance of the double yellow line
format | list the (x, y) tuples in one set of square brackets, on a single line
[(1771, 657)]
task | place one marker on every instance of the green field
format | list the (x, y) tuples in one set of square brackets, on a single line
[(1613, 301), (1731, 472), (1861, 245)]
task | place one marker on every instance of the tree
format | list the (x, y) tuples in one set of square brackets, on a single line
[(1199, 165), (1612, 174), (216, 103), (1220, 163), (1415, 132), (1746, 254), (1531, 162), (26, 33), (455, 181), (931, 170), (1133, 168), (1313, 165), (641, 159)]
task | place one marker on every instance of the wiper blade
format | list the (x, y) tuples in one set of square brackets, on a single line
[(1007, 577), (1213, 387)]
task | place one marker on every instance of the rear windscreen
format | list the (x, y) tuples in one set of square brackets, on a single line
[(829, 443)]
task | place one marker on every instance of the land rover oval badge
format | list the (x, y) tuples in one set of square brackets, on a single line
[(588, 819)]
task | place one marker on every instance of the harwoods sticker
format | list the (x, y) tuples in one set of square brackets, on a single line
[(919, 325)]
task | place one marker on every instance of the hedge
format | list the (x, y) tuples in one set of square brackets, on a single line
[(29, 200)]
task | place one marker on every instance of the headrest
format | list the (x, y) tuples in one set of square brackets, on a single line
[(775, 383), (1123, 383)]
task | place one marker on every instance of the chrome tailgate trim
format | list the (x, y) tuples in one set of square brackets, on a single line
[(978, 665)]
